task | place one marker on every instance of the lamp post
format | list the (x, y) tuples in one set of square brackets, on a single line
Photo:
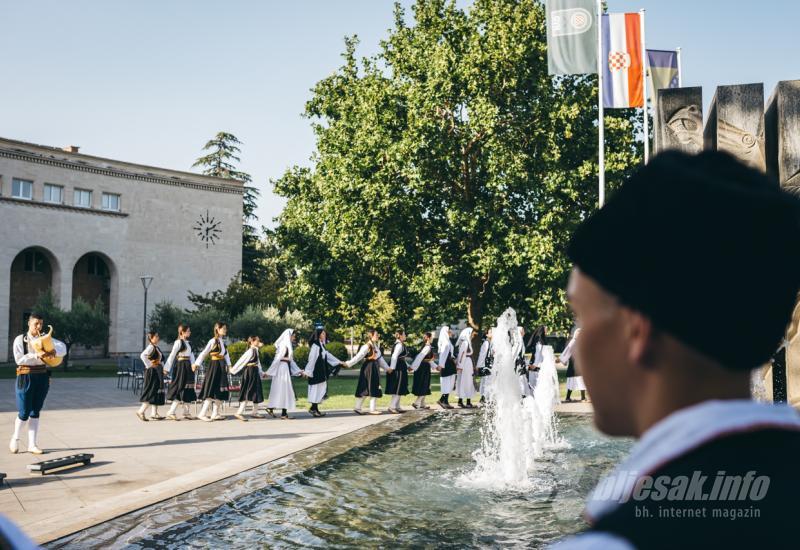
[(146, 280)]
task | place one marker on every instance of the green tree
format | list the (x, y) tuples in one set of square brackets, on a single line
[(83, 324), (219, 162), (449, 172), (165, 318)]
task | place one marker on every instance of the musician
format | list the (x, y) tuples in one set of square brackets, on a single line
[(33, 379)]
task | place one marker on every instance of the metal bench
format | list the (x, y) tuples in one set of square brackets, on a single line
[(57, 463)]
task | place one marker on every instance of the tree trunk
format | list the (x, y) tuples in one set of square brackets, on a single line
[(474, 308)]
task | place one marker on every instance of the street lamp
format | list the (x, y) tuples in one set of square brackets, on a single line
[(146, 280)]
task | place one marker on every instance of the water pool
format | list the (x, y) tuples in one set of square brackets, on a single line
[(402, 490)]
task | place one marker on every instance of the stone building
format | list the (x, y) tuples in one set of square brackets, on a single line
[(90, 227)]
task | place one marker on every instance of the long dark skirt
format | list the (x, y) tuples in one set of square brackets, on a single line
[(397, 381), (571, 370), (369, 380), (181, 387), (422, 380), (215, 383), (153, 388), (251, 386)]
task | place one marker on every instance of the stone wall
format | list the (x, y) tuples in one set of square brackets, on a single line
[(155, 233)]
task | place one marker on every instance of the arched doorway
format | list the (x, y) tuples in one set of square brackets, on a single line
[(92, 281), (33, 273)]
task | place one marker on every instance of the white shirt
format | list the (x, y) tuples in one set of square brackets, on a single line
[(174, 354), (313, 355), (569, 350), (398, 347), (670, 438), (145, 355), (420, 357), (448, 349), (483, 353), (363, 352), (281, 354), (207, 350), (247, 357), (29, 359)]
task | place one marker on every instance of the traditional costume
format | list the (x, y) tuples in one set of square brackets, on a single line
[(281, 391), (465, 385), (215, 382), (153, 384), (249, 364), (369, 377), (397, 376), (484, 369), (421, 366), (181, 386), (33, 382), (574, 380), (521, 365), (447, 367), (319, 358)]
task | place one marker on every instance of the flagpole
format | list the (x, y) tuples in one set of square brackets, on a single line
[(644, 92), (680, 75), (601, 157)]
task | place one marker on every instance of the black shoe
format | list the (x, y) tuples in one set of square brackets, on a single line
[(470, 405), (460, 404)]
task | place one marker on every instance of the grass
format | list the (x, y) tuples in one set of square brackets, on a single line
[(75, 370), (341, 392), (340, 388)]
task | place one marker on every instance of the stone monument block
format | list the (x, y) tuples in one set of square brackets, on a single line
[(679, 120), (782, 134), (736, 123)]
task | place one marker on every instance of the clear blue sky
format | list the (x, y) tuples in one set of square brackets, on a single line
[(150, 81)]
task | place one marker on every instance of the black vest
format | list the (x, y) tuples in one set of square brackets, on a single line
[(728, 523), (320, 367), (403, 353)]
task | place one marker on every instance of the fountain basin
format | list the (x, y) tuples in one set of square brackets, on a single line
[(402, 489)]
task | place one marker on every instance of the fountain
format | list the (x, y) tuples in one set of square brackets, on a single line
[(515, 432), (423, 485)]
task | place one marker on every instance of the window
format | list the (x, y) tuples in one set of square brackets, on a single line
[(97, 266), (83, 198), (21, 189), (35, 261), (53, 193), (111, 201)]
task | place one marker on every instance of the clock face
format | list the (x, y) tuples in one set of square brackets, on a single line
[(208, 229)]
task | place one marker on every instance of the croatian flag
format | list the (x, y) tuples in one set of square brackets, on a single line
[(622, 66)]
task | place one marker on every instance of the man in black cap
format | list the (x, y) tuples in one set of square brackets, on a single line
[(682, 285)]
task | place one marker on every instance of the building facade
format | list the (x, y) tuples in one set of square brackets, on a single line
[(90, 227)]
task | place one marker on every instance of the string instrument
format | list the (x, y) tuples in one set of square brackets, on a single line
[(44, 343)]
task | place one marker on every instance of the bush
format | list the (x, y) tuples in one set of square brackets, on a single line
[(202, 323), (301, 356), (267, 354), (256, 322), (236, 350), (338, 350), (165, 318)]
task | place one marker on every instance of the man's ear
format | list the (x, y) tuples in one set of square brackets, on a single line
[(639, 331)]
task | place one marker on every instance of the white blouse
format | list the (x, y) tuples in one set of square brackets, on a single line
[(313, 355), (363, 352), (207, 350), (280, 356), (247, 357), (174, 354), (420, 357)]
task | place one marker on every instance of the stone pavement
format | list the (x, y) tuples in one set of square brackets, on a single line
[(140, 463), (136, 463)]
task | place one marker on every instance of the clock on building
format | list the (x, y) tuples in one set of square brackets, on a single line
[(208, 229)]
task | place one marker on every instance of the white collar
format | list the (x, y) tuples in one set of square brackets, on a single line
[(682, 432)]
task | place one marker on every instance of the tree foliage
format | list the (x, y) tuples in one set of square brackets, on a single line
[(223, 154), (449, 172), (84, 324)]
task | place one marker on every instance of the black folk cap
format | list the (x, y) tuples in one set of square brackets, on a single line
[(706, 247)]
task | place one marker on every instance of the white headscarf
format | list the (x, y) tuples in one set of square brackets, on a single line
[(444, 338), (285, 339), (466, 334)]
